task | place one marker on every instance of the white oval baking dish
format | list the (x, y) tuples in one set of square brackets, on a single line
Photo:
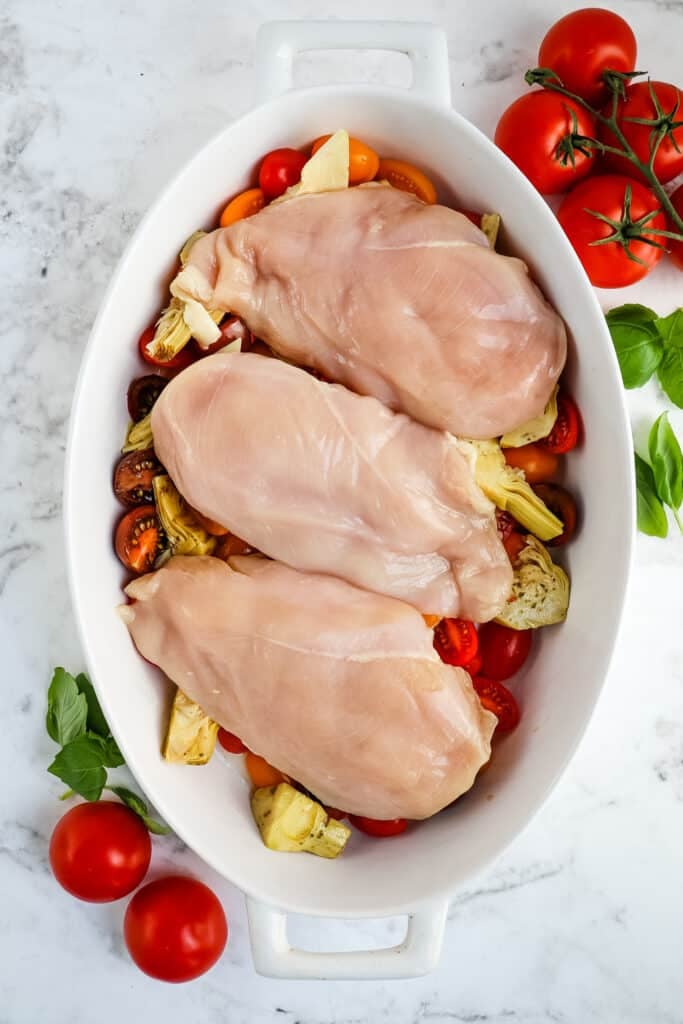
[(208, 807)]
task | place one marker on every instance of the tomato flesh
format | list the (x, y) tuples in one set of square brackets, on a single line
[(246, 204), (138, 539), (233, 744), (280, 169), (497, 698), (363, 161), (503, 650), (583, 45), (455, 641), (133, 477), (261, 772), (378, 829), (562, 504), (143, 393), (567, 428), (473, 666), (185, 357), (535, 461), (232, 329), (408, 178)]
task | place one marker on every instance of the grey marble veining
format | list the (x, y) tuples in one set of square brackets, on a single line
[(580, 920)]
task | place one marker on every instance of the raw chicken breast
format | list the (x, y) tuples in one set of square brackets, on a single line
[(395, 299), (330, 481), (338, 688)]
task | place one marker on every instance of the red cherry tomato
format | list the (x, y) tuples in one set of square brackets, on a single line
[(632, 254), (514, 544), (187, 355), (497, 698), (639, 103), (137, 540), (562, 504), (233, 744), (379, 829), (100, 852), (567, 427), (584, 44), (280, 169), (473, 666), (539, 134), (175, 928), (232, 329), (676, 248), (334, 812), (536, 462), (456, 641), (503, 650)]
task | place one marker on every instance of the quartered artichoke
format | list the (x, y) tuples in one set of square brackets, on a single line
[(509, 491), (191, 734), (490, 225), (535, 429), (540, 590), (139, 436), (289, 821), (184, 533)]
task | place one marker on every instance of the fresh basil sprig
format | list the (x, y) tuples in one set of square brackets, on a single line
[(76, 722), (659, 482), (651, 516), (645, 344)]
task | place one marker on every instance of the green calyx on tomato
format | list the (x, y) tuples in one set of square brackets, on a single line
[(627, 230), (648, 117)]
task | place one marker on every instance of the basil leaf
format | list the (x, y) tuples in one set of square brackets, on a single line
[(97, 723), (139, 807), (111, 755), (666, 461), (670, 374), (651, 514), (671, 328), (79, 766), (67, 709), (637, 342)]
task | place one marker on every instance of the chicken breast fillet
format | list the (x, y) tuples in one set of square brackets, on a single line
[(330, 481), (338, 688), (395, 299)]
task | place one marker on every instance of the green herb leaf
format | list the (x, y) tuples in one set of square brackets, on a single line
[(671, 328), (67, 709), (111, 755), (637, 342), (97, 723), (79, 766), (139, 807), (667, 464), (670, 370), (651, 514)]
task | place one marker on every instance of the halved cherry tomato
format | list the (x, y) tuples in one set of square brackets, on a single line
[(210, 525), (260, 772), (379, 829), (138, 539), (475, 218), (497, 698), (473, 666), (456, 641), (334, 812), (133, 477), (676, 248), (567, 427), (537, 463), (513, 544), (503, 650), (233, 744), (143, 393), (562, 504), (363, 161), (505, 524), (231, 545), (408, 178), (244, 205), (279, 170), (432, 620), (187, 354), (232, 329)]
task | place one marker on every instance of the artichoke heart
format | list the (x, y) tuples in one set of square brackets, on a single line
[(185, 535), (509, 491), (535, 429), (191, 734), (173, 331), (290, 822), (490, 225), (326, 171), (139, 435), (540, 590), (184, 253)]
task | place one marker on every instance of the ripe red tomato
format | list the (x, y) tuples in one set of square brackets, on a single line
[(187, 354), (175, 928), (514, 543), (503, 650), (633, 252), (232, 329), (100, 852), (456, 641), (539, 135), (536, 463), (583, 44), (497, 698), (567, 427), (473, 666), (280, 169), (639, 103), (676, 248), (233, 744), (137, 540), (562, 504), (379, 829)]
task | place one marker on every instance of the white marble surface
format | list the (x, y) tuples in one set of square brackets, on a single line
[(581, 920)]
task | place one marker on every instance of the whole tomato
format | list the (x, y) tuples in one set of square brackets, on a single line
[(659, 104), (584, 44), (676, 248), (542, 133), (280, 169)]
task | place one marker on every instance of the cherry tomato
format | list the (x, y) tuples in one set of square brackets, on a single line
[(133, 477), (138, 539), (567, 428), (100, 851), (187, 354), (475, 218), (363, 161), (539, 134), (536, 463), (432, 620), (456, 641), (408, 178), (639, 103), (143, 393), (503, 650), (584, 44), (473, 666), (231, 545), (233, 744), (497, 698), (562, 504), (510, 533), (633, 252), (175, 928), (280, 169), (232, 329), (246, 204), (260, 772), (334, 812), (379, 829), (676, 248), (514, 544)]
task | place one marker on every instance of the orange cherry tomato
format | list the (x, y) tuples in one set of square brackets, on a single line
[(233, 744), (230, 545), (497, 698), (363, 161), (537, 464), (456, 641), (138, 539), (408, 178), (244, 205), (261, 773), (432, 620), (210, 525)]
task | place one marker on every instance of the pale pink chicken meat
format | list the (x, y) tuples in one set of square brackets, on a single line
[(338, 688), (333, 482), (395, 299)]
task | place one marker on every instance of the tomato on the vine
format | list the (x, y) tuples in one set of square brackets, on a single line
[(280, 169), (676, 247), (379, 829), (659, 105), (497, 698), (456, 641), (544, 134), (566, 429), (503, 650), (613, 223)]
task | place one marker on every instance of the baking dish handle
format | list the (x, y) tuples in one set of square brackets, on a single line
[(274, 957), (278, 42)]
